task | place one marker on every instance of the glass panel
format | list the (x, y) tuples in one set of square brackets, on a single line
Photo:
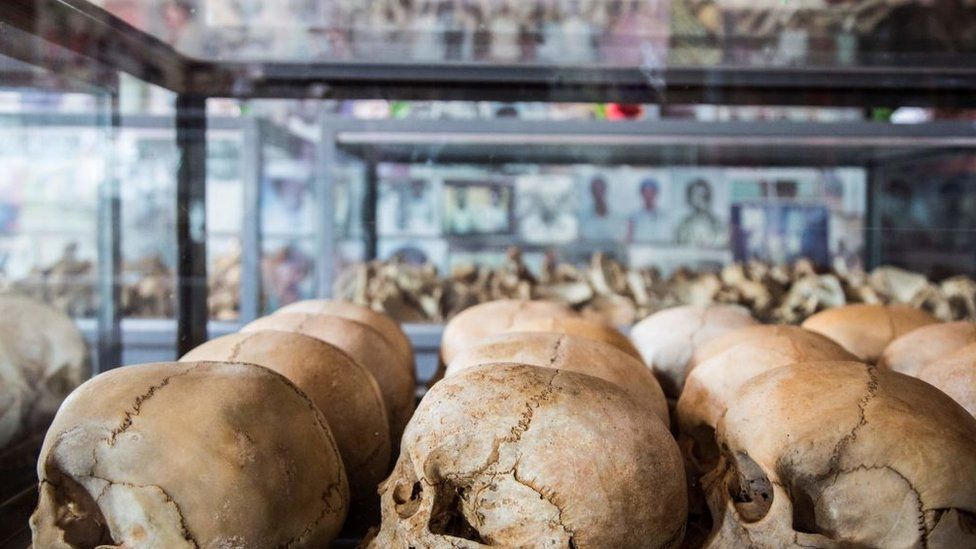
[(54, 167), (611, 33), (289, 210), (287, 269), (147, 161), (225, 217)]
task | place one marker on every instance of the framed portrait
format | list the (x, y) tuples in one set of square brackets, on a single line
[(781, 232), (546, 208), (649, 193), (605, 200), (700, 205), (408, 206), (477, 208)]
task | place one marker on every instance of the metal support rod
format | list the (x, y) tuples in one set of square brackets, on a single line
[(191, 226), (253, 169), (109, 287), (325, 173), (873, 233), (370, 197)]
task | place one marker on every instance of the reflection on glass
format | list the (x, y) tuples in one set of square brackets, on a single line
[(48, 210), (286, 272), (650, 34)]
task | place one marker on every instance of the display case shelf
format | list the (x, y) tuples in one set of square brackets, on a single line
[(645, 142)]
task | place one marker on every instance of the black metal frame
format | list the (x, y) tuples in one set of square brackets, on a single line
[(109, 327), (192, 313)]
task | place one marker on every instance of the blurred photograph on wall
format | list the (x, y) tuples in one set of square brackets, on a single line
[(606, 201), (758, 184), (477, 208), (408, 207), (546, 208), (700, 203), (651, 222), (781, 232)]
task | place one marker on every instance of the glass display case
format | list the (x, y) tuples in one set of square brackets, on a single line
[(174, 170)]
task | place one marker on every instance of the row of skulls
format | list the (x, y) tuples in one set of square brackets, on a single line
[(608, 291), (544, 429), (782, 436), (275, 436)]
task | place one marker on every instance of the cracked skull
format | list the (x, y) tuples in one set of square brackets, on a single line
[(865, 330), (712, 384), (912, 351), (520, 456), (574, 354), (363, 344), (955, 375), (344, 390), (469, 327), (668, 339), (579, 327), (843, 454), (380, 322), (189, 455)]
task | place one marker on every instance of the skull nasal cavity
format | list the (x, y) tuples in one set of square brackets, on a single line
[(804, 509), (407, 498), (753, 493)]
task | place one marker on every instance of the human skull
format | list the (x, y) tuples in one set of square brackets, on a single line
[(44, 357), (345, 392), (570, 353), (712, 385), (579, 327), (169, 456), (866, 330), (383, 324), (721, 344), (472, 325), (520, 456), (843, 454), (955, 375), (365, 345), (667, 339), (912, 351)]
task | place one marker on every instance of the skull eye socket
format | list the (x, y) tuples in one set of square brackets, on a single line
[(77, 514), (751, 492)]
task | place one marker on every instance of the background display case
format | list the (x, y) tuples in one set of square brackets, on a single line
[(172, 170)]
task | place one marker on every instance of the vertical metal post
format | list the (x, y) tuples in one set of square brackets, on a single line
[(325, 170), (191, 225), (253, 170), (109, 290), (370, 197), (872, 218)]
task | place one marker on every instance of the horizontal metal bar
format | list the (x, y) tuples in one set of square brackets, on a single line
[(456, 139), (821, 86)]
